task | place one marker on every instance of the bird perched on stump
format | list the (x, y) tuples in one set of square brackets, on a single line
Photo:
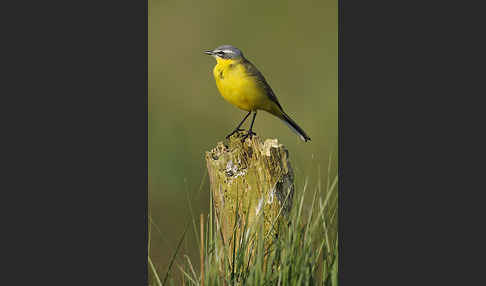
[(241, 84)]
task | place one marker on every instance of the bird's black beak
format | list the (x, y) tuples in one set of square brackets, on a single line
[(209, 53)]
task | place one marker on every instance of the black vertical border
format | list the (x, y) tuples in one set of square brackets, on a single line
[(78, 142), (399, 98)]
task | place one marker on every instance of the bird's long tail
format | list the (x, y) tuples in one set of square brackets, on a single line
[(294, 127)]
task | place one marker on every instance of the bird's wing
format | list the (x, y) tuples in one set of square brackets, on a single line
[(253, 71)]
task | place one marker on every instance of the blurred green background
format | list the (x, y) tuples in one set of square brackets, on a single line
[(293, 43)]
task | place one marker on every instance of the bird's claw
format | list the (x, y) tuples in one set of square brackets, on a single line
[(249, 134), (234, 131)]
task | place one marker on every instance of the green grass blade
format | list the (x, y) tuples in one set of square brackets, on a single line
[(154, 272), (175, 254), (187, 275)]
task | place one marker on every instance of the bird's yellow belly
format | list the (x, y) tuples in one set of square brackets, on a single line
[(240, 90)]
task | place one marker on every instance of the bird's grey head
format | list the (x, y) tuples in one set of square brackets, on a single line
[(225, 52)]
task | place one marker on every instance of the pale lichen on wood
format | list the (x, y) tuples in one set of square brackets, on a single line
[(248, 179)]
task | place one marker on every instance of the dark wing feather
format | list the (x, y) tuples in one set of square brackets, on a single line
[(253, 71)]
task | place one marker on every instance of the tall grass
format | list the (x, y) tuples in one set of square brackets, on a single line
[(304, 253)]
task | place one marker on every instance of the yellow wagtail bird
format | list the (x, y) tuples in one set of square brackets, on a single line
[(241, 84)]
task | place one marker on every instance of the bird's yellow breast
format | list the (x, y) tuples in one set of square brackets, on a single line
[(238, 87)]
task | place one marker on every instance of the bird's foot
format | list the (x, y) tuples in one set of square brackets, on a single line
[(234, 131), (249, 134)]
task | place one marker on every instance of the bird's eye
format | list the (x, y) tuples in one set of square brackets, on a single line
[(220, 53)]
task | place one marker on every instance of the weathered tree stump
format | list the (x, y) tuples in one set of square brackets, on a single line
[(249, 179)]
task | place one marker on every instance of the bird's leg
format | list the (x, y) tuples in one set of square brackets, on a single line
[(250, 131), (239, 125)]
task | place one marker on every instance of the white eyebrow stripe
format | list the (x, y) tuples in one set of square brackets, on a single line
[(228, 51)]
